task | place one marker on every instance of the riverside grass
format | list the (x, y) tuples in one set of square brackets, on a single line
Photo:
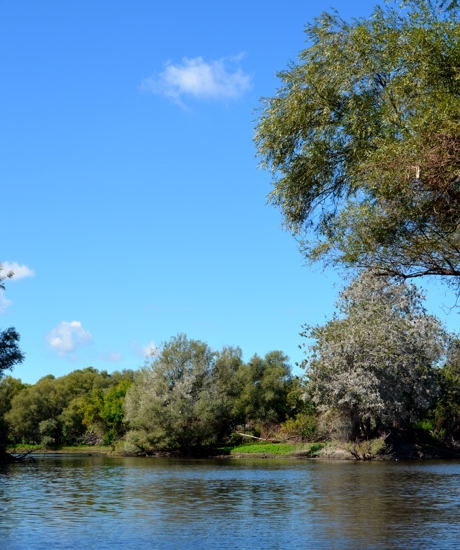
[(260, 448), (278, 449)]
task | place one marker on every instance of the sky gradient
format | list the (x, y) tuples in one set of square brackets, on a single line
[(133, 206)]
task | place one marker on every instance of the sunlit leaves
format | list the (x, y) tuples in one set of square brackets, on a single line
[(363, 141)]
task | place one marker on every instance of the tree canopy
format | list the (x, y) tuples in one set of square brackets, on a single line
[(363, 141), (371, 367), (10, 354), (191, 397)]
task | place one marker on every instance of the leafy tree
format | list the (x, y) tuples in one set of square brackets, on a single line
[(172, 403), (227, 385), (10, 354), (83, 381), (266, 384), (191, 397), (50, 432), (363, 140), (112, 413), (36, 403), (72, 419), (67, 410), (371, 367), (447, 410), (81, 417), (9, 387)]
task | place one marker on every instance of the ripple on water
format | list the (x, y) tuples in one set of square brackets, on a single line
[(100, 502)]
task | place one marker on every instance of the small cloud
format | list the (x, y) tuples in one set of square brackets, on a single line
[(11, 271), (145, 351), (4, 302), (15, 271), (195, 77), (150, 350), (67, 336)]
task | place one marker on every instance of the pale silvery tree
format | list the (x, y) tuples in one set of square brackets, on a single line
[(373, 365), (173, 402)]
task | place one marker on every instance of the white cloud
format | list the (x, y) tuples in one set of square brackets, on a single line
[(146, 351), (67, 336), (150, 350), (16, 270), (11, 271), (4, 302), (195, 77)]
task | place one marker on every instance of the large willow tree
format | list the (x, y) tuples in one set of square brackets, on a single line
[(363, 140), (372, 367)]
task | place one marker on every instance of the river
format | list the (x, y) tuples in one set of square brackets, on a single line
[(77, 502)]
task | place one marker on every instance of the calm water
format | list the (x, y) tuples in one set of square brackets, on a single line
[(98, 502)]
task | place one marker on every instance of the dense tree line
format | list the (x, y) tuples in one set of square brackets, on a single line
[(191, 396), (382, 363), (187, 398), (85, 406)]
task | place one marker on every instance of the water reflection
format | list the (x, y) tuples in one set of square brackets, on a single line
[(389, 503), (100, 502)]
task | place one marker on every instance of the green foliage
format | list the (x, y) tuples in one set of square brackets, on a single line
[(226, 383), (265, 386), (49, 433), (9, 387), (303, 426), (188, 397), (172, 403), (34, 404), (112, 412), (266, 448), (278, 449), (425, 424), (10, 354), (79, 406), (368, 449), (446, 414), (363, 140), (372, 368), (315, 448), (191, 397)]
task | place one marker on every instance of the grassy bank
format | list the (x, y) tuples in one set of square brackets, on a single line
[(265, 449), (398, 446), (276, 449)]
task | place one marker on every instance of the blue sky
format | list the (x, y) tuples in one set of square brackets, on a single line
[(132, 204)]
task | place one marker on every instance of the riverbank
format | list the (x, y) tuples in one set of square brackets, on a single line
[(397, 446)]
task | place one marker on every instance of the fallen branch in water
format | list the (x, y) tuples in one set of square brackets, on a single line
[(12, 456)]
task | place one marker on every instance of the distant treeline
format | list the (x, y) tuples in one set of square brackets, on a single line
[(381, 364), (188, 398)]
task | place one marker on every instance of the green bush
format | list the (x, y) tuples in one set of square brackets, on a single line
[(303, 427)]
